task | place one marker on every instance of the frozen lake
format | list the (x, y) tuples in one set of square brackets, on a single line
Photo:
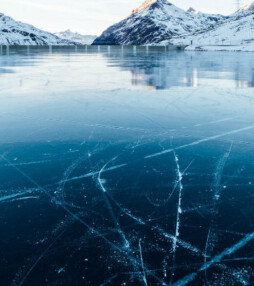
[(126, 167)]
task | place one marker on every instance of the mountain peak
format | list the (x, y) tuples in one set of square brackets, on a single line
[(153, 22), (191, 10), (147, 4), (76, 37), (246, 7), (17, 33)]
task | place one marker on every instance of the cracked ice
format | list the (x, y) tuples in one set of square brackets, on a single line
[(136, 179)]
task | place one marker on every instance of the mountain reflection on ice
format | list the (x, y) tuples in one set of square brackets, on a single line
[(105, 182), (150, 68)]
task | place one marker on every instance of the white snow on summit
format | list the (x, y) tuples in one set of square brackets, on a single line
[(246, 7), (17, 33), (76, 37), (155, 21), (235, 33), (143, 6)]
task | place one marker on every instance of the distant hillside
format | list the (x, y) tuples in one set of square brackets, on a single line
[(76, 37), (18, 33), (235, 33)]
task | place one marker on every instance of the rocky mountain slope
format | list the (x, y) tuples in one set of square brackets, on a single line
[(155, 21), (18, 33), (76, 37), (236, 32)]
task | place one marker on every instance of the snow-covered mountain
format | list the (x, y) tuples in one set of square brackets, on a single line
[(235, 33), (245, 8), (155, 21), (18, 33), (76, 37)]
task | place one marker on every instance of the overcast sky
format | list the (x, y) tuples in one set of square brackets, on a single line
[(92, 16)]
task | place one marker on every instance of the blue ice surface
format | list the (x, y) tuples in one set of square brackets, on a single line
[(141, 162)]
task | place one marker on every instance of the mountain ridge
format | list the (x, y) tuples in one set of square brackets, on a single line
[(76, 37), (234, 33), (155, 21), (18, 33)]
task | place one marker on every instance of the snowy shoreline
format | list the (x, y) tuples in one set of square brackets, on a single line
[(103, 48), (214, 48)]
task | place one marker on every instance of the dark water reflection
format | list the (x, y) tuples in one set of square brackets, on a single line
[(126, 167)]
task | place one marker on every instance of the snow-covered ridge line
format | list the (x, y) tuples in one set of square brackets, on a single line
[(143, 6), (246, 7), (17, 33), (76, 37), (236, 33), (156, 21)]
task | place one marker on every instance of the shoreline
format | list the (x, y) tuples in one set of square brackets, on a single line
[(150, 47)]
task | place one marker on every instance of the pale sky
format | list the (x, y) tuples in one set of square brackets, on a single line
[(93, 16)]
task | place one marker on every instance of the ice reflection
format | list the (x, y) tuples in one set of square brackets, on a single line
[(128, 67), (170, 69), (113, 171)]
